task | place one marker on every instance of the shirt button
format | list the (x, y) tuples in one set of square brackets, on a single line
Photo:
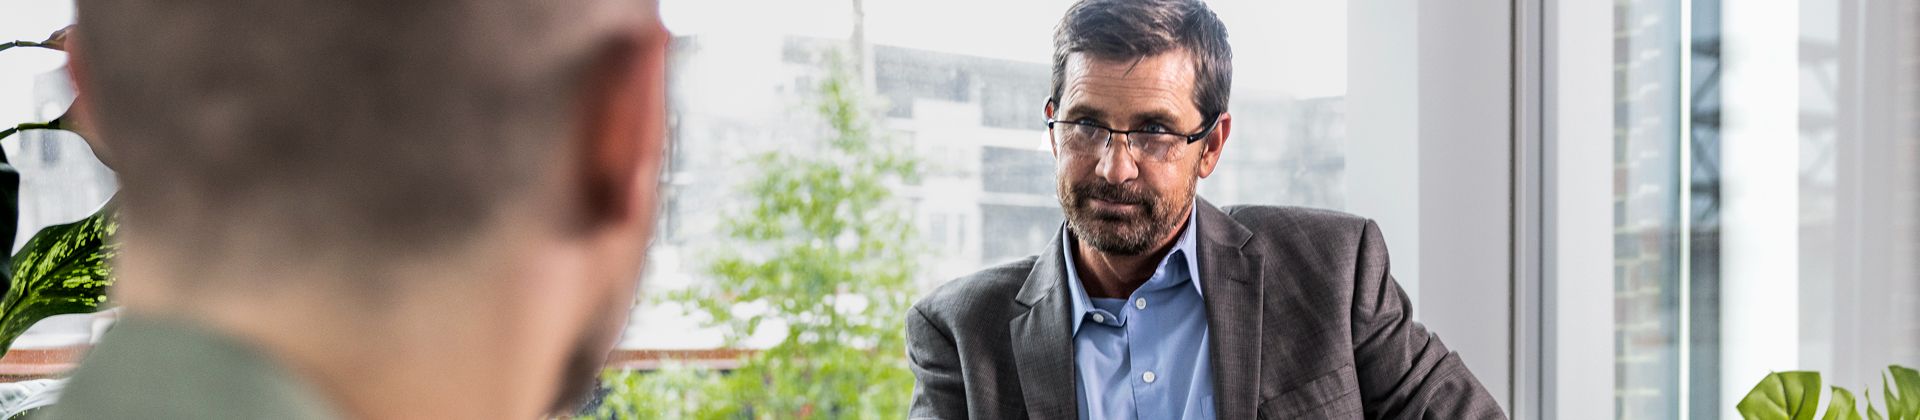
[(1147, 376), (1099, 318), (1140, 303)]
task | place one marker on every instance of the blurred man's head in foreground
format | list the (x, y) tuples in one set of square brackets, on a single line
[(389, 196)]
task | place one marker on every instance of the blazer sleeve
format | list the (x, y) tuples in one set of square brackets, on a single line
[(938, 389), (1404, 370)]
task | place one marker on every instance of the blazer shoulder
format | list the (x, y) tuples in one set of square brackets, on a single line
[(989, 287), (1311, 221)]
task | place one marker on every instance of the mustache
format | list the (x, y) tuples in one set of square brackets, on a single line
[(1109, 192)]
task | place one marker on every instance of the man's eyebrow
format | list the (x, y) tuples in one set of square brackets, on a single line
[(1077, 112), (1160, 116)]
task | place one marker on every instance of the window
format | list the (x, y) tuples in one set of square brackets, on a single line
[(1395, 111), (962, 85), (1765, 197), (971, 107)]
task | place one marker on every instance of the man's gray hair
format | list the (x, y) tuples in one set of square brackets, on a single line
[(377, 125), (1132, 29)]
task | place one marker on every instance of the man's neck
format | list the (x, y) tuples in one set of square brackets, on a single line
[(1117, 276)]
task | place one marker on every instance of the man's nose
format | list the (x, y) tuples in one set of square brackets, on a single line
[(1117, 164)]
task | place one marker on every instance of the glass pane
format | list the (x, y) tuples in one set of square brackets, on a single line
[(1765, 198), (960, 87), (1647, 207), (970, 107)]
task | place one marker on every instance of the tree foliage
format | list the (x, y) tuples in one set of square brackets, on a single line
[(821, 253)]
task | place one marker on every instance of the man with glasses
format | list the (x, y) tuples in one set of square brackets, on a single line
[(1153, 303)]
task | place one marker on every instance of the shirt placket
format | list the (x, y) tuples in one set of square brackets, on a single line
[(1147, 374)]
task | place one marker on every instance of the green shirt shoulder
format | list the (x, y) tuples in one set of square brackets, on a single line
[(169, 369)]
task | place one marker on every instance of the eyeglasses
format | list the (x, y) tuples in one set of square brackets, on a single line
[(1082, 138)]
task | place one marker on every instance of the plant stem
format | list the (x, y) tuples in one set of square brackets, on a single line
[(27, 126), (10, 45)]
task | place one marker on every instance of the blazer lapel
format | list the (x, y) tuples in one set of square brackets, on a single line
[(1042, 339), (1230, 278)]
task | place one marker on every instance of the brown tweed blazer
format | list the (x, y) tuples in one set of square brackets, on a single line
[(1305, 323)]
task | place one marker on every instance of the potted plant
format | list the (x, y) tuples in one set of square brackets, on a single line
[(61, 269)]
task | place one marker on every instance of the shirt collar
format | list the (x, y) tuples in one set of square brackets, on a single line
[(1183, 248)]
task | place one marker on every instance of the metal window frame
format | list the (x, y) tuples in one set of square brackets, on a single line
[(1560, 246)]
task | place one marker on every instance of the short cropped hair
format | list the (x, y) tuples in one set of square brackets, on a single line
[(1133, 29), (381, 126)]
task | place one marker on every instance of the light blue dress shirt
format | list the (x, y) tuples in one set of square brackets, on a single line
[(1144, 357)]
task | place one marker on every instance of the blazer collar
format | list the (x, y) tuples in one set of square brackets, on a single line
[(1235, 312), (1042, 339)]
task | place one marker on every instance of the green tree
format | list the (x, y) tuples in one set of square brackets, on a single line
[(823, 251)]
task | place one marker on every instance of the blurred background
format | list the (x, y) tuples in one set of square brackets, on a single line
[(1632, 209)]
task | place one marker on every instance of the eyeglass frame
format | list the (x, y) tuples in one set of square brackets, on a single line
[(1108, 143)]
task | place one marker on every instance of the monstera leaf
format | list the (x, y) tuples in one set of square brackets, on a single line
[(1783, 396), (62, 270), (1842, 407), (1905, 404), (1796, 396)]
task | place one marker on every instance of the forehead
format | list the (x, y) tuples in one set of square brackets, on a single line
[(1160, 83)]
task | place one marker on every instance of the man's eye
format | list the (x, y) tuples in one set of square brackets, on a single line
[(1155, 128)]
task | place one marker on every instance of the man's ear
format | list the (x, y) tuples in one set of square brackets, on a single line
[(623, 127), (77, 64), (79, 116), (1215, 142), (1052, 143)]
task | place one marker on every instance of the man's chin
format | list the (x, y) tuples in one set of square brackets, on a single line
[(1113, 238), (578, 383), (588, 357)]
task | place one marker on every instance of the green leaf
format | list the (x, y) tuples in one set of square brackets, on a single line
[(62, 270), (1907, 381), (1783, 396), (1896, 409), (1842, 406)]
